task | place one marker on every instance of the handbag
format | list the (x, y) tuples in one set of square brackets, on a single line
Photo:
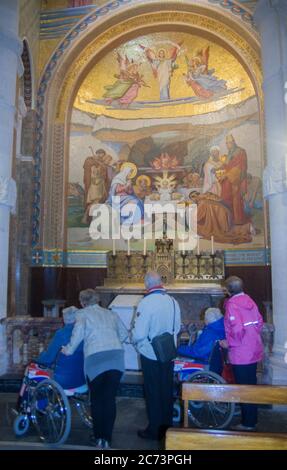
[(163, 345), (227, 371), (227, 374)]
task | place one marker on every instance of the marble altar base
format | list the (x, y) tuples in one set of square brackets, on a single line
[(193, 298)]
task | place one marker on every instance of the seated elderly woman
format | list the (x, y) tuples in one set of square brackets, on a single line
[(213, 331), (69, 370)]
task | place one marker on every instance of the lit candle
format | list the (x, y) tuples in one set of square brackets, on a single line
[(212, 245), (144, 247), (114, 247), (198, 250), (129, 248), (183, 247)]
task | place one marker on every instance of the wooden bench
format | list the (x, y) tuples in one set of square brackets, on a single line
[(195, 439)]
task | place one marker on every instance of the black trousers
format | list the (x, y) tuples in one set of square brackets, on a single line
[(103, 391), (246, 374), (158, 386)]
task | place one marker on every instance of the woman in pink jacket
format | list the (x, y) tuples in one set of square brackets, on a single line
[(243, 324)]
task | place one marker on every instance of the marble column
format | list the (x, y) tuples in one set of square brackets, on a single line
[(271, 20), (10, 66)]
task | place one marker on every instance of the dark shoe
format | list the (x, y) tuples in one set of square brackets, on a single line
[(144, 434), (241, 427), (97, 443), (105, 444)]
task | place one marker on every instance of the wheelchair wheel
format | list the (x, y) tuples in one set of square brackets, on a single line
[(51, 412), (176, 412), (214, 415), (82, 404), (21, 425)]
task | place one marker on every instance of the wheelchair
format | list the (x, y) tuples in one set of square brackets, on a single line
[(204, 415), (47, 406)]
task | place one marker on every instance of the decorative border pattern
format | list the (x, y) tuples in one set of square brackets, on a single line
[(27, 77), (241, 10), (252, 257), (58, 258), (58, 22), (99, 259)]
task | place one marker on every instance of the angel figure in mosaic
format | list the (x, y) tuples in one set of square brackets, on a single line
[(125, 89), (200, 78)]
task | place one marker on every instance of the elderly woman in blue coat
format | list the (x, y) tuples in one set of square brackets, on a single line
[(69, 370), (213, 331)]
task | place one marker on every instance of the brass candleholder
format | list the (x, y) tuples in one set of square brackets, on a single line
[(128, 265), (213, 256), (144, 266), (198, 258), (184, 266), (114, 258)]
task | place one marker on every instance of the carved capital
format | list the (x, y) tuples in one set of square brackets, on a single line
[(8, 193)]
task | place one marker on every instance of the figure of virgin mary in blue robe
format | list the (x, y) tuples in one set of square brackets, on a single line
[(131, 208)]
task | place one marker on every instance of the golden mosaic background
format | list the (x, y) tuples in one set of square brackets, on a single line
[(226, 67)]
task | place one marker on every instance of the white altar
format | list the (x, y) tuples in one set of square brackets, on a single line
[(125, 306)]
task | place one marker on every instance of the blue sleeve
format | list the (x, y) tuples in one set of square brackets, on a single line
[(49, 356), (202, 347), (184, 350)]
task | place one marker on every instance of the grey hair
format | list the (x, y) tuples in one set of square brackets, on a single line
[(89, 297), (152, 279), (212, 314), (214, 148), (234, 285), (69, 315)]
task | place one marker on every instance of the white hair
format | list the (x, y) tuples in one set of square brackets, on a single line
[(212, 314), (69, 315), (89, 297), (152, 279), (214, 148)]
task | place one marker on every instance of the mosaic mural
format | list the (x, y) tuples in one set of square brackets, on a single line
[(168, 117)]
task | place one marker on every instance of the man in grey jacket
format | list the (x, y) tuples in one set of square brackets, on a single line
[(157, 313)]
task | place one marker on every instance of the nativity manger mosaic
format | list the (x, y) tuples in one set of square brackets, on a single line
[(168, 117)]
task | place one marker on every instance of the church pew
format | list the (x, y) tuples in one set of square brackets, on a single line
[(195, 439), (223, 440)]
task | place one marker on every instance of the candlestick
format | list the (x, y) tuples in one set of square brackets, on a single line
[(183, 247), (198, 250), (212, 245), (114, 247), (144, 247), (129, 248)]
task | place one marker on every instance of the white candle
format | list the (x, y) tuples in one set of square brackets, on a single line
[(198, 250), (212, 245), (129, 248), (114, 247), (144, 247), (183, 247)]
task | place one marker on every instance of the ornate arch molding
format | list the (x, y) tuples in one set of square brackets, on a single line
[(91, 39)]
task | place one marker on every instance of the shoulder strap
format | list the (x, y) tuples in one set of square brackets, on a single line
[(173, 301)]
